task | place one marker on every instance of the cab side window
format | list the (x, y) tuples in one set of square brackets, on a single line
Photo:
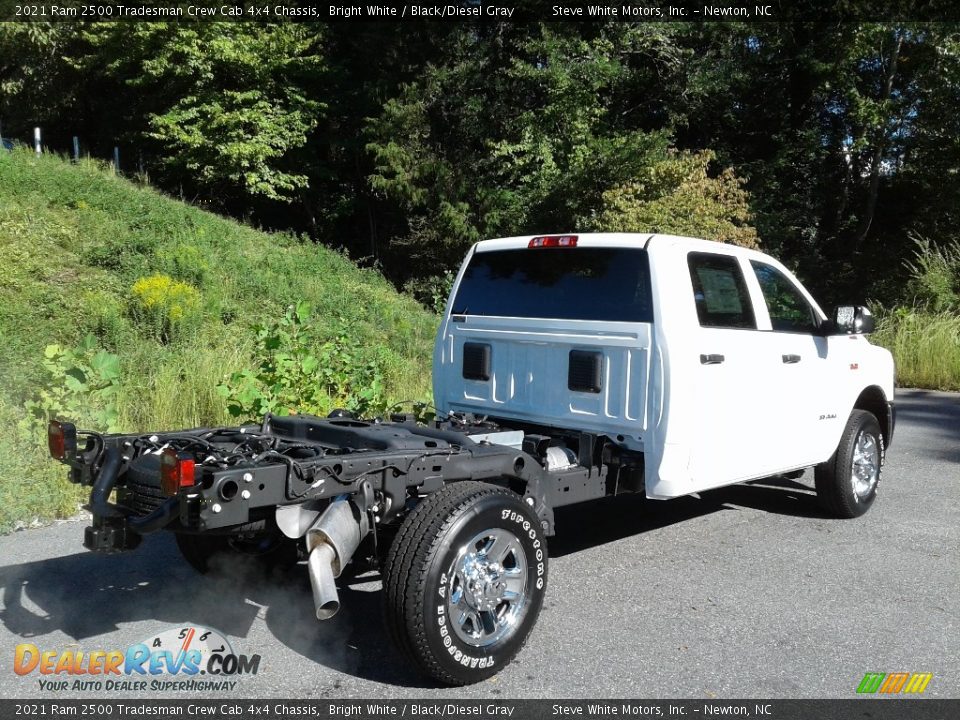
[(788, 308), (720, 291)]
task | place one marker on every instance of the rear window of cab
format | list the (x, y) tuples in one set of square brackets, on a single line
[(573, 283)]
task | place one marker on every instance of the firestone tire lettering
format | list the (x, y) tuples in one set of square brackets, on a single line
[(417, 568)]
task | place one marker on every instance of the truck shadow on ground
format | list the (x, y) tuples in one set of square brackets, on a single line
[(87, 596), (615, 518), (91, 597)]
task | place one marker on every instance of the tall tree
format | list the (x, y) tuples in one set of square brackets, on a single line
[(516, 129), (224, 101)]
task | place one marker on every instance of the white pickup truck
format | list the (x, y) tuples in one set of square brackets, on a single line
[(566, 368), (709, 361)]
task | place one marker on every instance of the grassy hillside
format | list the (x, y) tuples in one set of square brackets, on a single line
[(75, 240)]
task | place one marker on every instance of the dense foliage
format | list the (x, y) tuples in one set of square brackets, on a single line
[(301, 365), (827, 144)]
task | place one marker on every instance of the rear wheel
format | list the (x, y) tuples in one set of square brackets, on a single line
[(847, 483), (464, 581)]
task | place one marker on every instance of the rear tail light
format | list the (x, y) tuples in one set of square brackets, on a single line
[(175, 472), (553, 241), (61, 439)]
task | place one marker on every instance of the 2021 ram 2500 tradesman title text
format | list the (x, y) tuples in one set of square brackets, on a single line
[(566, 368)]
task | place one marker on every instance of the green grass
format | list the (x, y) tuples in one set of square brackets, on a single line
[(32, 486), (925, 347), (74, 238)]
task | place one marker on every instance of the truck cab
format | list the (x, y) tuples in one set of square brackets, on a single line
[(710, 361)]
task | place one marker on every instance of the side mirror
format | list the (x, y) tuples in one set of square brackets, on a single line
[(851, 320)]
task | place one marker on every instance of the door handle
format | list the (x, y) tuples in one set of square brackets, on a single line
[(711, 359), (791, 359)]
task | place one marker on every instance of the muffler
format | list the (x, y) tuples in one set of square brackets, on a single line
[(331, 542)]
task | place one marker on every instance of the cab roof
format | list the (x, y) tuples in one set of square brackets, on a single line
[(642, 240)]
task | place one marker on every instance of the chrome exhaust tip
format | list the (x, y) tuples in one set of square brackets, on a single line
[(331, 542), (320, 566)]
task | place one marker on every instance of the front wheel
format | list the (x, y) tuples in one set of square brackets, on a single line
[(847, 483), (464, 581)]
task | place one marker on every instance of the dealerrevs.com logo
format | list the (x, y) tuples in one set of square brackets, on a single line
[(186, 658), (894, 683)]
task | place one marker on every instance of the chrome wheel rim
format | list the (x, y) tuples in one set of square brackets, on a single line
[(866, 465), (487, 588)]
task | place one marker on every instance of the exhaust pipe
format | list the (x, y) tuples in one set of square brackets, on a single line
[(331, 542), (320, 564)]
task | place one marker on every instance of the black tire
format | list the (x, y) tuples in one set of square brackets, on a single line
[(425, 571), (265, 551), (836, 479), (143, 485)]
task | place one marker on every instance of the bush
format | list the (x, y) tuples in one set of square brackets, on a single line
[(106, 315), (935, 275), (432, 292), (33, 486), (924, 333), (175, 386), (302, 369), (80, 385), (925, 347), (165, 306), (678, 196), (185, 262)]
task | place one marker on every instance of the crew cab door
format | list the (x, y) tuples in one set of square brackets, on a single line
[(804, 368), (731, 426)]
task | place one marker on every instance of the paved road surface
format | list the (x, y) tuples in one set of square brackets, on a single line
[(747, 591)]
